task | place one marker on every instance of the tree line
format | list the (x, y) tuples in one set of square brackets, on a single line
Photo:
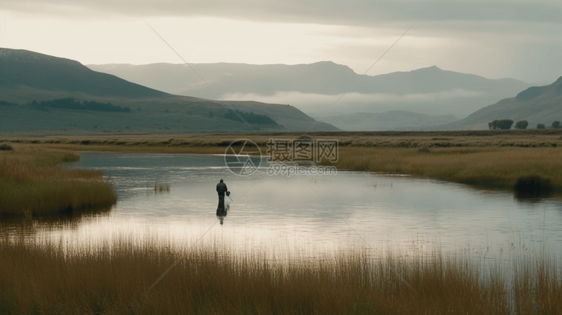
[(506, 124), (250, 117), (4, 103), (70, 103)]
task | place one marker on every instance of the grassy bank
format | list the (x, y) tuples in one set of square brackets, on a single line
[(492, 159), (483, 167), (488, 166), (535, 138), (45, 277), (32, 182)]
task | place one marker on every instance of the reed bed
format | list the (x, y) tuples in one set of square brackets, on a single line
[(492, 159), (161, 188), (538, 287), (216, 143), (495, 167), (32, 182), (47, 276)]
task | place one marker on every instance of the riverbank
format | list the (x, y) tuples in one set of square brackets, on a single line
[(488, 167), (51, 277), (32, 183), (489, 159), (535, 138)]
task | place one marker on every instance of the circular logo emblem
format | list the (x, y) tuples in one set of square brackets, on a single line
[(242, 157)]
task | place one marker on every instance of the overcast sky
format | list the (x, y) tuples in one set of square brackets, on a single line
[(495, 39)]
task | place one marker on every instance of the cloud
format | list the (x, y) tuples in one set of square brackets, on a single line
[(499, 38), (311, 98), (316, 103), (350, 12)]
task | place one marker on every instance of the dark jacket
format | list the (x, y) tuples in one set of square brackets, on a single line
[(221, 189)]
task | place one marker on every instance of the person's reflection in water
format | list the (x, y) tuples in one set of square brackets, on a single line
[(221, 214)]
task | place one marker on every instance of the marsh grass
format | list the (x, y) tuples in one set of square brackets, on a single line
[(216, 143), (491, 159), (538, 286), (486, 167), (6, 147), (32, 182), (51, 277), (161, 188)]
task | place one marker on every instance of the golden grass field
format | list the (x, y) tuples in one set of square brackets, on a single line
[(47, 276), (44, 276), (492, 159), (32, 182), (535, 138), (486, 167)]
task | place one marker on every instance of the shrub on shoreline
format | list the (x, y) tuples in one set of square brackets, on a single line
[(533, 186), (6, 147)]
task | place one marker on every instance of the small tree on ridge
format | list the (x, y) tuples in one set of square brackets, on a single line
[(501, 124), (522, 124)]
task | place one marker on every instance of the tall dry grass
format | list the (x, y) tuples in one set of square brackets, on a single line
[(489, 167), (216, 143), (49, 277), (485, 158), (538, 286), (32, 182)]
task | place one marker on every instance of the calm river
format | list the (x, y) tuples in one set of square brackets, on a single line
[(309, 213)]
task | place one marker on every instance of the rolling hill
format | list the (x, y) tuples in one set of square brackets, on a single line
[(537, 104), (314, 87), (27, 76), (42, 72)]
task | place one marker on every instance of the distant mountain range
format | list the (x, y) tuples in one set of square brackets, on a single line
[(392, 120), (313, 88), (537, 105), (27, 76), (73, 99)]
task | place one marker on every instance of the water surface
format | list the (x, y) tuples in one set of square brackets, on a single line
[(311, 214)]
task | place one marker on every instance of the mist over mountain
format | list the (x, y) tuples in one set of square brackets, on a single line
[(42, 94), (537, 105), (392, 120), (313, 88)]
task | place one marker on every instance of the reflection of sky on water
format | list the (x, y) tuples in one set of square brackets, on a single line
[(390, 212)]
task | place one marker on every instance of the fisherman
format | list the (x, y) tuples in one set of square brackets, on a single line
[(221, 190)]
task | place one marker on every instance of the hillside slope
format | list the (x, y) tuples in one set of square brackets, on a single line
[(43, 72), (28, 76), (537, 104)]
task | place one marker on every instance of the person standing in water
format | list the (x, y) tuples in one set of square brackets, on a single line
[(221, 209), (221, 190)]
